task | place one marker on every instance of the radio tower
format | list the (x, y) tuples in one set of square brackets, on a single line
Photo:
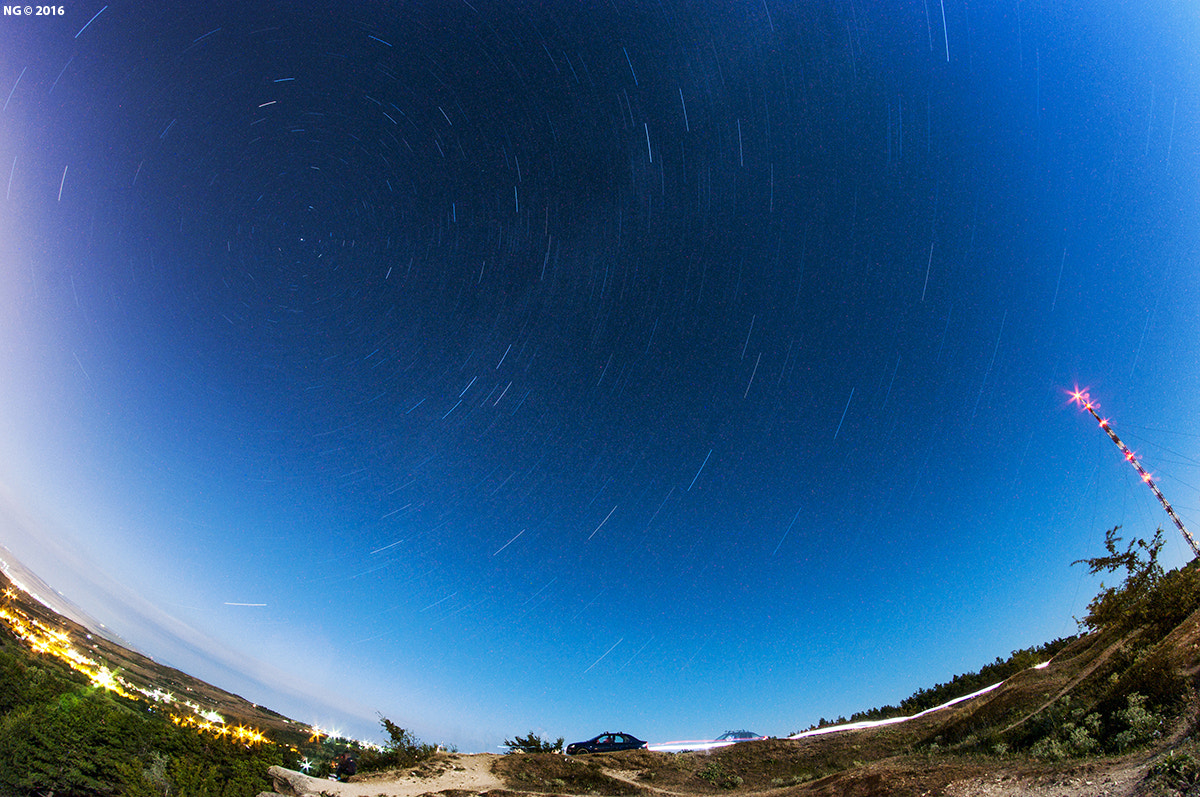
[(1081, 398)]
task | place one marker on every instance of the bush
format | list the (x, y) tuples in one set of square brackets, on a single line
[(1081, 738), (1064, 730), (1050, 748), (1176, 770), (1174, 597), (532, 743), (1142, 725), (402, 749), (1151, 674), (25, 681), (716, 774), (64, 746), (1148, 599), (88, 741)]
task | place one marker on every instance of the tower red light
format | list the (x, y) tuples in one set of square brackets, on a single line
[(1081, 397)]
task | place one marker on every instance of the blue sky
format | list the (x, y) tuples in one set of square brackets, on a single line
[(664, 368)]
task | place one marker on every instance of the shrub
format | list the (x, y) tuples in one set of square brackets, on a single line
[(1050, 748), (532, 743), (1146, 597), (1176, 770), (1151, 674), (1142, 725), (716, 774), (88, 741), (402, 749), (1081, 739), (1063, 731)]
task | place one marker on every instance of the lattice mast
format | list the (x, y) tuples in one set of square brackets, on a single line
[(1081, 398)]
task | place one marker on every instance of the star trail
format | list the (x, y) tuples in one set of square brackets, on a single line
[(658, 367)]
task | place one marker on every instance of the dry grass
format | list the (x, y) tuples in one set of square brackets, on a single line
[(554, 774), (965, 744)]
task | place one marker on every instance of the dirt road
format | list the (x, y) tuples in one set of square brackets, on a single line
[(453, 771)]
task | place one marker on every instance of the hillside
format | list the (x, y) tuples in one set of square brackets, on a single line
[(965, 750), (94, 654), (1112, 712)]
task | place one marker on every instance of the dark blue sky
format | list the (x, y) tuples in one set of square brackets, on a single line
[(666, 367)]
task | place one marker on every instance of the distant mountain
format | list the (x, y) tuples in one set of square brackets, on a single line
[(33, 586), (49, 623)]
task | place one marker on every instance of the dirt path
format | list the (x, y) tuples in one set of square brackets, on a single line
[(630, 776), (1115, 782), (455, 771)]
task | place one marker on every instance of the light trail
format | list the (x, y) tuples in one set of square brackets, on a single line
[(854, 726), (678, 747), (681, 747)]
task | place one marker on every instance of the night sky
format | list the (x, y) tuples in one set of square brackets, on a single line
[(666, 367)]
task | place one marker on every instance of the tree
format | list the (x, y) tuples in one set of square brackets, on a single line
[(532, 743), (402, 749), (1117, 606)]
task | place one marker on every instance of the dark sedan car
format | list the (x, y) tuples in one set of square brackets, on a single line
[(606, 743)]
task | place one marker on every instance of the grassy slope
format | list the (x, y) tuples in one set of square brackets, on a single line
[(970, 740), (989, 735)]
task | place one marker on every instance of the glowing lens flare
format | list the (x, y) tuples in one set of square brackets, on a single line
[(1082, 398)]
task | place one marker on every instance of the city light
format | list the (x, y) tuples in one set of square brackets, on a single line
[(57, 643), (41, 638)]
